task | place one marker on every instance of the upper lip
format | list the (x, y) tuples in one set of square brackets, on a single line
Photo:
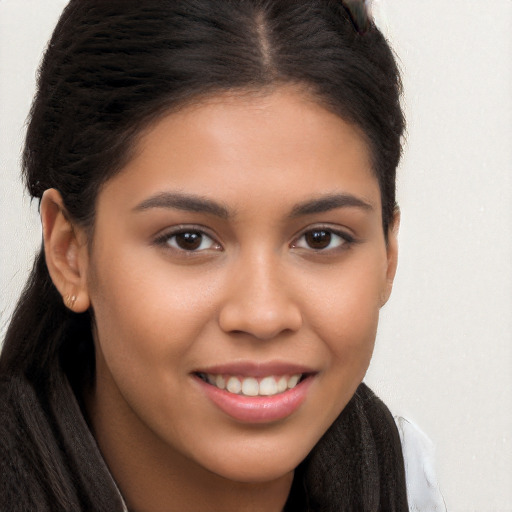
[(256, 369)]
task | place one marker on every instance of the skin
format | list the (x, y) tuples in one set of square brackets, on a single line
[(254, 291)]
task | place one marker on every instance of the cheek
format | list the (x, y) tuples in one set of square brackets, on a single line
[(146, 325), (345, 312), (346, 321), (347, 306), (148, 317)]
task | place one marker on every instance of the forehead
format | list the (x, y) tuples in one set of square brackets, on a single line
[(251, 146)]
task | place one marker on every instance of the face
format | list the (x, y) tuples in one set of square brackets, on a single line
[(236, 274)]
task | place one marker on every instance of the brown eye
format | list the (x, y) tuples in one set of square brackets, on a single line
[(318, 239), (322, 239), (189, 241)]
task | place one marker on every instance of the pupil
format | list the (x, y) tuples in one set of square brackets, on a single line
[(318, 239), (189, 241)]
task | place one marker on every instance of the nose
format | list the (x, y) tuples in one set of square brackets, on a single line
[(259, 300)]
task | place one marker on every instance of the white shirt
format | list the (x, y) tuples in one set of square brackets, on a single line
[(423, 492)]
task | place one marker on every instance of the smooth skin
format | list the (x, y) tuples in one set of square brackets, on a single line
[(247, 228)]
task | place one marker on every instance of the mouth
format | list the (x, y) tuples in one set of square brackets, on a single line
[(256, 394), (249, 386)]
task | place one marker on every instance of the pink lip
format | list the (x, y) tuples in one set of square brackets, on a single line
[(257, 409)]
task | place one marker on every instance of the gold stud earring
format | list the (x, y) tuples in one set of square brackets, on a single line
[(69, 301)]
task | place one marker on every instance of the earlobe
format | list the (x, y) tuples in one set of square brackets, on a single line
[(65, 252), (392, 255)]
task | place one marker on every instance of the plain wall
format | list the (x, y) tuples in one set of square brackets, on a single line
[(444, 350)]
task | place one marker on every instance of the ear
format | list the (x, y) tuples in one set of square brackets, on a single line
[(65, 248), (392, 255)]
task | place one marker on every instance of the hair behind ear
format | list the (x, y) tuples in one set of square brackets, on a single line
[(44, 334)]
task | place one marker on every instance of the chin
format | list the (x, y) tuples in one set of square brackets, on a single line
[(256, 462), (258, 472)]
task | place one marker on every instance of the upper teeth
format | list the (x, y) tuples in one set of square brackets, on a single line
[(252, 386)]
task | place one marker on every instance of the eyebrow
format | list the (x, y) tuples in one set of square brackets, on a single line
[(186, 202), (199, 204), (330, 202)]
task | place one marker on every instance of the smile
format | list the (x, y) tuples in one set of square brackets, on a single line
[(256, 393), (252, 386)]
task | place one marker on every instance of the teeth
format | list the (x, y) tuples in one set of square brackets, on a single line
[(220, 382), (293, 381), (250, 386), (234, 385), (268, 386), (282, 384)]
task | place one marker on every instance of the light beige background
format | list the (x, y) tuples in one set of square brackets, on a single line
[(444, 352)]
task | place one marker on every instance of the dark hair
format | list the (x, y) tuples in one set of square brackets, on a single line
[(113, 67)]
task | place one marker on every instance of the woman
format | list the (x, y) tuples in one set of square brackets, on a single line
[(217, 187)]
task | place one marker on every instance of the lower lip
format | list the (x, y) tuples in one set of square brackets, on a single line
[(258, 409)]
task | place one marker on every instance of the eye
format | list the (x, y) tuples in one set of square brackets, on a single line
[(321, 239), (190, 240)]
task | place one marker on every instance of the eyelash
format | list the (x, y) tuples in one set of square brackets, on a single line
[(345, 239), (164, 239)]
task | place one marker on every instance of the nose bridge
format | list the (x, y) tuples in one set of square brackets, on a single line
[(259, 297)]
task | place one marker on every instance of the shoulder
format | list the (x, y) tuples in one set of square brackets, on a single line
[(423, 493)]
